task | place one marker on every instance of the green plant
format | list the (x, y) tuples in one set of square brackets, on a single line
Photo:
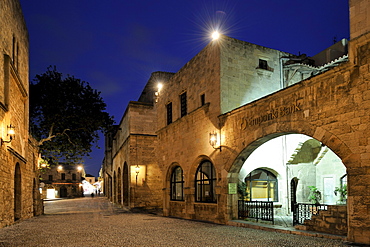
[(342, 191), (242, 190), (315, 195)]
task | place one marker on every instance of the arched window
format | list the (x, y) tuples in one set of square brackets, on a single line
[(205, 183), (261, 186), (177, 184)]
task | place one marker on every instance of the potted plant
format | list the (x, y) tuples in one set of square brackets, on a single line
[(315, 195), (342, 192)]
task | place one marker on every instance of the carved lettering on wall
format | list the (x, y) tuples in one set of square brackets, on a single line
[(270, 115)]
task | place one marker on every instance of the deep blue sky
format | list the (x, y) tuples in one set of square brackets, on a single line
[(116, 44)]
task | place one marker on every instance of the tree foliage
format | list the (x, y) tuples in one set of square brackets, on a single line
[(66, 115)]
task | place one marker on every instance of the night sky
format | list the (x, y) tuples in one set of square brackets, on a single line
[(116, 44)]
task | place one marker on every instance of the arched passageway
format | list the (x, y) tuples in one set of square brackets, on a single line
[(125, 185), (119, 187), (17, 193), (283, 169)]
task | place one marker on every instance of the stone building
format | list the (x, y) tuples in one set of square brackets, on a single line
[(238, 112), (19, 197), (62, 181), (131, 174)]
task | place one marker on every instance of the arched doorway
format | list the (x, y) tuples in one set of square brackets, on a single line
[(290, 158), (63, 192), (17, 193), (293, 192), (119, 187), (125, 185), (114, 187)]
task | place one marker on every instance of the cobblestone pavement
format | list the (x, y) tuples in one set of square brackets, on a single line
[(97, 222)]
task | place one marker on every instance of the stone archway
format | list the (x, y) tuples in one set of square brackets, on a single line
[(114, 187), (119, 186), (291, 180), (17, 193), (126, 185)]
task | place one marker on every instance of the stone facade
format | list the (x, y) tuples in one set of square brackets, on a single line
[(332, 221), (19, 197), (219, 92), (132, 177), (62, 181)]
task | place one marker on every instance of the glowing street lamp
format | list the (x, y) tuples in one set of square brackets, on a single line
[(215, 35), (60, 168)]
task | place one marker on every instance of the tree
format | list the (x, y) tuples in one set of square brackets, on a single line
[(66, 116)]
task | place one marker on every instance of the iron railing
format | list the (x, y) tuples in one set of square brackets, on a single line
[(304, 211), (256, 210)]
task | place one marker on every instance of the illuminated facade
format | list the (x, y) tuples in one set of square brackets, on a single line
[(19, 197), (222, 117), (132, 177), (62, 181)]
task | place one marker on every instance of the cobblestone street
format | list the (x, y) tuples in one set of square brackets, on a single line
[(97, 222)]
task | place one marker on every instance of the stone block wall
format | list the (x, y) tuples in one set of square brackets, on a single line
[(18, 159), (332, 221)]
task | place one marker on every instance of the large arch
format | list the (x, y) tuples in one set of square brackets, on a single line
[(119, 186), (114, 187), (17, 193), (126, 185), (332, 141)]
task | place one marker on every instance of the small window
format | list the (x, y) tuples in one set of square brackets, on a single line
[(169, 113), (202, 99), (63, 176), (262, 64), (74, 176), (50, 177), (177, 184), (183, 104), (205, 183)]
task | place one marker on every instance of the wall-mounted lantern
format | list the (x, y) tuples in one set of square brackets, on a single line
[(213, 140), (9, 133), (137, 170)]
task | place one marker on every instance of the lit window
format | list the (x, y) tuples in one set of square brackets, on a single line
[(261, 186), (183, 104), (205, 183), (177, 184)]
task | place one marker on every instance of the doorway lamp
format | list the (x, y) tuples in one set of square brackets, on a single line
[(11, 133), (213, 140)]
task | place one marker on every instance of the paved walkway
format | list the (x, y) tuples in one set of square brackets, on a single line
[(97, 222)]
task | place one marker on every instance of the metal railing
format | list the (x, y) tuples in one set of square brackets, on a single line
[(304, 211), (256, 210)]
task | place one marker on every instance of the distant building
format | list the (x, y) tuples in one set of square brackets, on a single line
[(62, 181), (241, 125), (90, 178), (19, 197)]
